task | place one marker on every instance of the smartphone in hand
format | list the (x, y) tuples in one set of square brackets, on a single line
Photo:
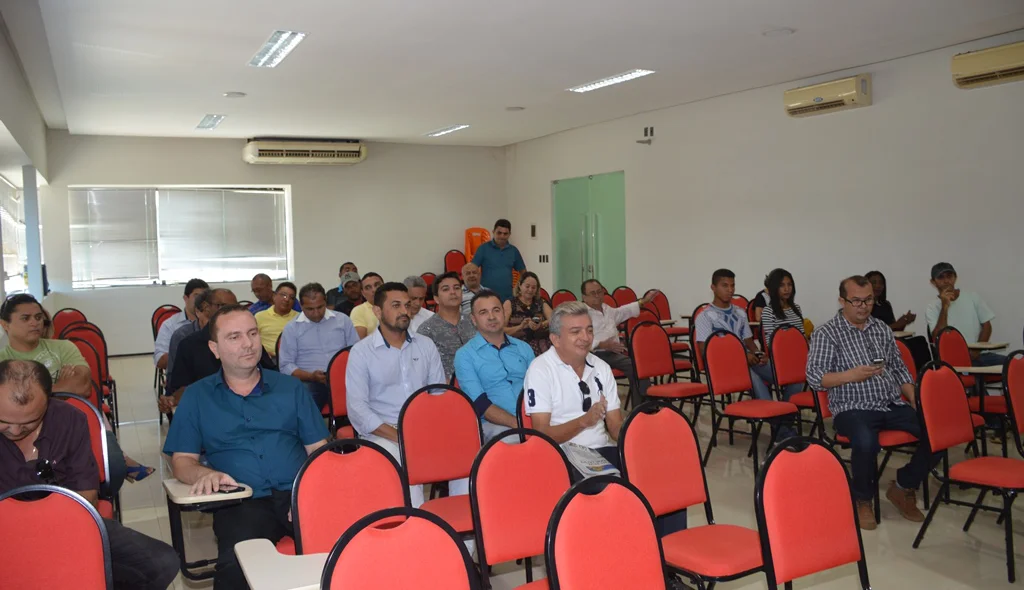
[(878, 362), (229, 489)]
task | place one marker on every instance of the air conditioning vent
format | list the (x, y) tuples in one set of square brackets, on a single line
[(829, 97), (303, 152), (988, 67)]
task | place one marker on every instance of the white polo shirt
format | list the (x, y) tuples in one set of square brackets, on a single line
[(552, 387)]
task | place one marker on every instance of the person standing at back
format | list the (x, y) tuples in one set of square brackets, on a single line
[(497, 259)]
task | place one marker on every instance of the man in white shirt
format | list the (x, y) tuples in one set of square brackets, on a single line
[(163, 338), (606, 320), (417, 297)]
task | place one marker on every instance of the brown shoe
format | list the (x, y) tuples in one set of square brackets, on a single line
[(866, 515), (905, 501)]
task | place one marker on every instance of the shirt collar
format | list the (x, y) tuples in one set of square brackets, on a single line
[(327, 315), (849, 326), (379, 340), (257, 391), (480, 342)]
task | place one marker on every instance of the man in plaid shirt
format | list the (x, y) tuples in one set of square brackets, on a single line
[(854, 357)]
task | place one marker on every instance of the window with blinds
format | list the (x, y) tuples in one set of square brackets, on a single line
[(140, 236), (12, 229)]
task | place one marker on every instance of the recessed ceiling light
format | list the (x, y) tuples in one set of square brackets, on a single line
[(515, 109), (210, 122), (616, 79), (780, 32), (446, 130), (277, 47), (235, 94)]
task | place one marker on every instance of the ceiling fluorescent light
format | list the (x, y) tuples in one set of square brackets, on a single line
[(277, 47), (447, 130), (210, 122), (616, 79)]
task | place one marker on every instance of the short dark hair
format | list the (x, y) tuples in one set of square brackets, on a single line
[(221, 313), (503, 223), (206, 297), (858, 280), (20, 374), (343, 265), (878, 273), (382, 292), (194, 284), (583, 287), (448, 275), (370, 274), (261, 276), (288, 284), (722, 273), (482, 294), (12, 303), (310, 289)]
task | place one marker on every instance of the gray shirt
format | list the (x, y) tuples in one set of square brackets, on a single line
[(186, 329), (447, 338)]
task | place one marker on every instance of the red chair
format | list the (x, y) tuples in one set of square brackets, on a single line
[(160, 315), (610, 301), (726, 360), (544, 295), (454, 260), (108, 505), (697, 367), (634, 557), (807, 524), (326, 500), (561, 296), (337, 405), (624, 295), (94, 336), (660, 303), (661, 457), (420, 552), (947, 419), (429, 458), (911, 364), (755, 330), (740, 302), (953, 350), (92, 358), (525, 420), (63, 317), (788, 354), (650, 350), (31, 523), (509, 524)]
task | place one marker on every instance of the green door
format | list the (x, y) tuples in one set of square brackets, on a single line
[(589, 230)]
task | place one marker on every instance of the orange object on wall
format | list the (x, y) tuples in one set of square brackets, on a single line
[(475, 236)]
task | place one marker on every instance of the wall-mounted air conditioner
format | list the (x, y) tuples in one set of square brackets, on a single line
[(304, 152), (829, 97), (988, 67)]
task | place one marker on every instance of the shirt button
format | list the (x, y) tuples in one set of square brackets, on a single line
[(261, 456), (249, 419)]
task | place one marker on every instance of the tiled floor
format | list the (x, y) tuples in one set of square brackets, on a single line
[(948, 559)]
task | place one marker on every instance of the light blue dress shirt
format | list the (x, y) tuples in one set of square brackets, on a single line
[(380, 377), (496, 374), (163, 337), (311, 346)]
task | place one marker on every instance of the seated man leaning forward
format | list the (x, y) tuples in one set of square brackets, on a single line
[(491, 367), (255, 427), (854, 357)]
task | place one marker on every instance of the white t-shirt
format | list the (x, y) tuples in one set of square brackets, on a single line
[(552, 387), (417, 320)]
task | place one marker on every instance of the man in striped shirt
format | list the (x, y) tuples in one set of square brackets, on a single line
[(854, 357)]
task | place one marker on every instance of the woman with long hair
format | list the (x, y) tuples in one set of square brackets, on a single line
[(782, 309), (527, 315)]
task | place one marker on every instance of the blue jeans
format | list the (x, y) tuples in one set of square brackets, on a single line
[(762, 378), (989, 359)]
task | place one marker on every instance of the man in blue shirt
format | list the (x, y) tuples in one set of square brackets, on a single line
[(491, 366), (310, 341), (497, 259), (255, 428)]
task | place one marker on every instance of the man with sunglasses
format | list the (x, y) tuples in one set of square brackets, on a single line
[(46, 441), (854, 357)]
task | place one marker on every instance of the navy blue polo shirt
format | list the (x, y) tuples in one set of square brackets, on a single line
[(257, 439), (496, 266)]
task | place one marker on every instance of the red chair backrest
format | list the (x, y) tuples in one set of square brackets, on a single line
[(427, 456), (646, 315), (93, 359), (544, 295), (661, 457), (574, 533), (97, 432), (726, 360), (421, 552), (651, 351), (660, 303), (624, 295), (788, 352), (561, 296), (161, 314), (740, 302), (1013, 387), (336, 382), (807, 524), (340, 483), (30, 527), (428, 278), (952, 347), (66, 316), (511, 524), (908, 359), (525, 420), (947, 416), (693, 334), (454, 260), (610, 301), (91, 334)]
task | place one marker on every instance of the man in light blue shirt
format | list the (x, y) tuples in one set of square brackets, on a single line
[(387, 367), (491, 366), (963, 310), (163, 337), (497, 259), (310, 341)]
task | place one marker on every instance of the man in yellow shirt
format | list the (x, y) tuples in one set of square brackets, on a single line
[(362, 316), (271, 321)]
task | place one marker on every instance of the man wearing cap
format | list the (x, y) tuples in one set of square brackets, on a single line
[(963, 310), (347, 295)]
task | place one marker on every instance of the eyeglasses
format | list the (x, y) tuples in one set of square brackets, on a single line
[(860, 302), (585, 390), (45, 472)]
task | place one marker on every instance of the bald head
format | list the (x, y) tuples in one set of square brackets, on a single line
[(471, 276), (23, 380)]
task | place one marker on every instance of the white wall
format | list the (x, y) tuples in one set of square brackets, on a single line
[(396, 213), (928, 173)]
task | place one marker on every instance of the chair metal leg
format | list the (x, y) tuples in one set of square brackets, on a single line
[(931, 513), (753, 447), (1008, 498), (1002, 435), (945, 468), (974, 511), (714, 436), (877, 483)]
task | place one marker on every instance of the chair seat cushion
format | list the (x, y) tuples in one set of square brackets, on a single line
[(346, 432), (105, 508), (618, 374), (978, 420), (886, 438), (759, 408), (803, 399), (541, 584), (454, 510), (677, 330), (677, 390), (286, 546), (990, 471), (994, 404), (681, 365), (716, 550), (680, 346)]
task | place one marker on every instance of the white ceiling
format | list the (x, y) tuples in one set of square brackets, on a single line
[(392, 70)]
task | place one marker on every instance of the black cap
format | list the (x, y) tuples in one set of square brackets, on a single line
[(940, 268)]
